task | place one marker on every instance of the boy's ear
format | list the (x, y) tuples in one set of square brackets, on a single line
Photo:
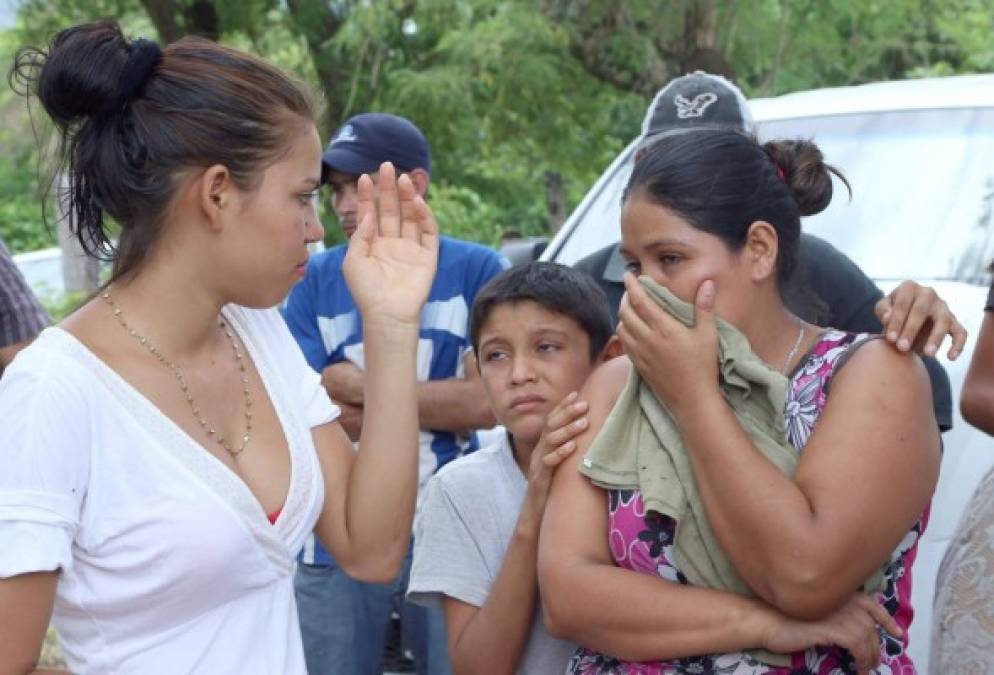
[(612, 349)]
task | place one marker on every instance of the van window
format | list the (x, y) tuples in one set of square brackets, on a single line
[(923, 190), (599, 221), (923, 193)]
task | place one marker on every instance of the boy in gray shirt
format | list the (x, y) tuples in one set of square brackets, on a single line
[(537, 331)]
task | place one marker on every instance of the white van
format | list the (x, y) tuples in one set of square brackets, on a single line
[(920, 157)]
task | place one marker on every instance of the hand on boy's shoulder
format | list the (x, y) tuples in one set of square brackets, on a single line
[(571, 420), (565, 422)]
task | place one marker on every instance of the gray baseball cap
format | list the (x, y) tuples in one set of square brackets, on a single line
[(697, 99)]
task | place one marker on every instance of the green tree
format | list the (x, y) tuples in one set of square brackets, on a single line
[(524, 101)]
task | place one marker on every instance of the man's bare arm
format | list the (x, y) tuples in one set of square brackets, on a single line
[(351, 420), (457, 404)]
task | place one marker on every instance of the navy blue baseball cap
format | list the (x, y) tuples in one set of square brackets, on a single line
[(369, 139)]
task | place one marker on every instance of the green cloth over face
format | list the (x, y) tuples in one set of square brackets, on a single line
[(640, 447)]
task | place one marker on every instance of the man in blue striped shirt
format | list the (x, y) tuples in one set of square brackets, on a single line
[(343, 621)]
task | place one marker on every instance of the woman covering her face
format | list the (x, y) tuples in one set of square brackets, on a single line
[(809, 537)]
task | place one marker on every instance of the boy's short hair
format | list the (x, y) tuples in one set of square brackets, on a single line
[(555, 287)]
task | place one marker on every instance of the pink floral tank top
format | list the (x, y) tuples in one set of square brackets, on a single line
[(642, 541)]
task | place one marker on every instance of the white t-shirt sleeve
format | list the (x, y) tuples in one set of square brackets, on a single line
[(312, 398), (45, 441), (448, 559), (318, 408)]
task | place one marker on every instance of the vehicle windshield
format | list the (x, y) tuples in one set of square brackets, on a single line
[(923, 190), (923, 193)]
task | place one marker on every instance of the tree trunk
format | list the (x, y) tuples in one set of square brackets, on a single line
[(80, 272), (174, 19), (201, 18), (702, 20), (770, 84), (701, 37), (163, 14), (319, 23)]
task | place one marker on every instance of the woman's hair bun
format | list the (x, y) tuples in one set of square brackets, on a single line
[(805, 172), (79, 75)]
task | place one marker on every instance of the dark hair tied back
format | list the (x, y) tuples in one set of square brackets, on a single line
[(78, 76), (805, 172), (722, 181), (132, 119), (141, 62)]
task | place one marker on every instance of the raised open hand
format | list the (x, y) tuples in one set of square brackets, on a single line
[(391, 260)]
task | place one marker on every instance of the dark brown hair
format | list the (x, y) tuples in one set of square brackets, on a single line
[(197, 104), (559, 289), (722, 180)]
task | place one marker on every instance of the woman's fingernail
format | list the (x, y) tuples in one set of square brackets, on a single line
[(892, 336), (903, 344)]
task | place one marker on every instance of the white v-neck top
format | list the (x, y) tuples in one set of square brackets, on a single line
[(168, 562)]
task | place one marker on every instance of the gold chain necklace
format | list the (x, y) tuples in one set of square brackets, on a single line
[(178, 374), (793, 350)]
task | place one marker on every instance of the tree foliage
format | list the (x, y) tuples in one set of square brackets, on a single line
[(518, 95)]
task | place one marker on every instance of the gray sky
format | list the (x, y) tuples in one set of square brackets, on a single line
[(8, 9)]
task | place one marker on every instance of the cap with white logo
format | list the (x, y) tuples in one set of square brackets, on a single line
[(697, 99), (365, 141)]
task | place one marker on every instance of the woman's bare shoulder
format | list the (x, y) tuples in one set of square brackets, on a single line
[(880, 362), (90, 322), (606, 382)]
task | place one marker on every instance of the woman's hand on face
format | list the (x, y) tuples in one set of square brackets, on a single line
[(914, 316), (391, 260), (854, 627), (675, 360)]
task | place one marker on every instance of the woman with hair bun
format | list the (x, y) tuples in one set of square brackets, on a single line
[(166, 449), (752, 488)]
